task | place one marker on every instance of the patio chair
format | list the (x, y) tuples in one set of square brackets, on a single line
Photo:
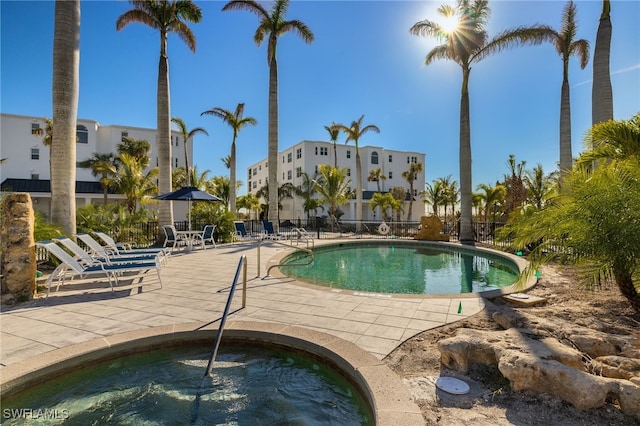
[(171, 237), (70, 265), (125, 248), (242, 234), (101, 252), (207, 235), (89, 258), (270, 233)]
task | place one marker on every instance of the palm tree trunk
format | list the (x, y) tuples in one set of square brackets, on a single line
[(335, 155), (410, 199), (186, 163), (165, 210), (566, 158), (66, 65), (602, 94), (232, 178), (273, 141), (358, 191), (466, 232), (627, 288)]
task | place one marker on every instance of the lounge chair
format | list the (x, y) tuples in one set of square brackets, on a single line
[(102, 252), (171, 237), (126, 248), (242, 234), (206, 236), (269, 232), (89, 257), (82, 269)]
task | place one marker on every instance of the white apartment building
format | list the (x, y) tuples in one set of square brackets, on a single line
[(306, 156), (26, 159)]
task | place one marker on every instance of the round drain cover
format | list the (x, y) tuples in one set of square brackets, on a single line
[(452, 385)]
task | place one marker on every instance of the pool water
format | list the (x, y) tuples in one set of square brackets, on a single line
[(249, 386), (403, 269)]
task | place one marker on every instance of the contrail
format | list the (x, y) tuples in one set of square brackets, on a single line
[(623, 70)]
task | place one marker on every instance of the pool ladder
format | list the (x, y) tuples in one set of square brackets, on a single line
[(242, 267)]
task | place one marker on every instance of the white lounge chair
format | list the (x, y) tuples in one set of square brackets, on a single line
[(83, 268), (124, 248), (102, 252)]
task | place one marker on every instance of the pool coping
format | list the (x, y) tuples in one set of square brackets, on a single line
[(387, 396), (519, 262)]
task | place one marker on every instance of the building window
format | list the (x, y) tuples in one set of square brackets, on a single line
[(289, 157), (35, 176), (255, 171), (35, 129), (316, 150), (82, 134), (177, 140), (324, 150), (415, 192), (348, 153), (176, 163), (289, 175), (123, 135), (348, 172), (283, 159), (316, 172), (35, 153), (249, 185), (249, 174), (259, 166), (298, 171), (412, 160), (282, 175), (390, 158), (374, 157), (299, 153), (266, 164), (390, 174), (254, 185)]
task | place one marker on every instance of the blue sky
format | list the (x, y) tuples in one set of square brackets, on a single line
[(363, 61)]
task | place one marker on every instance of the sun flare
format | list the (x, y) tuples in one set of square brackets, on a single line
[(449, 24)]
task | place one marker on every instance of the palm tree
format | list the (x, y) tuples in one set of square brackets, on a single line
[(513, 182), (334, 133), (334, 188), (166, 17), (354, 133), (492, 197), (567, 46), (285, 191), (539, 187), (226, 161), (186, 135), (137, 148), (196, 179), (306, 190), (249, 202), (449, 193), (376, 176), (613, 140), (434, 194), (103, 165), (66, 70), (410, 176), (385, 202), (237, 122), (468, 44), (131, 181), (272, 25), (220, 186), (601, 92), (399, 194)]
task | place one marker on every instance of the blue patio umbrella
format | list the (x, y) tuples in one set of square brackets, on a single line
[(188, 194)]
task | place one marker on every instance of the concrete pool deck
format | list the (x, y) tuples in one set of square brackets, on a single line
[(195, 290)]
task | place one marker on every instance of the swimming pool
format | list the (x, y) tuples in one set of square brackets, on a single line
[(248, 384), (333, 360), (404, 267)]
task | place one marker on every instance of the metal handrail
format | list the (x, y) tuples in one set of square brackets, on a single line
[(306, 250), (242, 266)]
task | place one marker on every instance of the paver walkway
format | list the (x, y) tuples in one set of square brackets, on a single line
[(196, 288)]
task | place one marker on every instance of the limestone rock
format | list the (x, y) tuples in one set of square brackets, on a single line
[(619, 367), (18, 246), (431, 229)]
